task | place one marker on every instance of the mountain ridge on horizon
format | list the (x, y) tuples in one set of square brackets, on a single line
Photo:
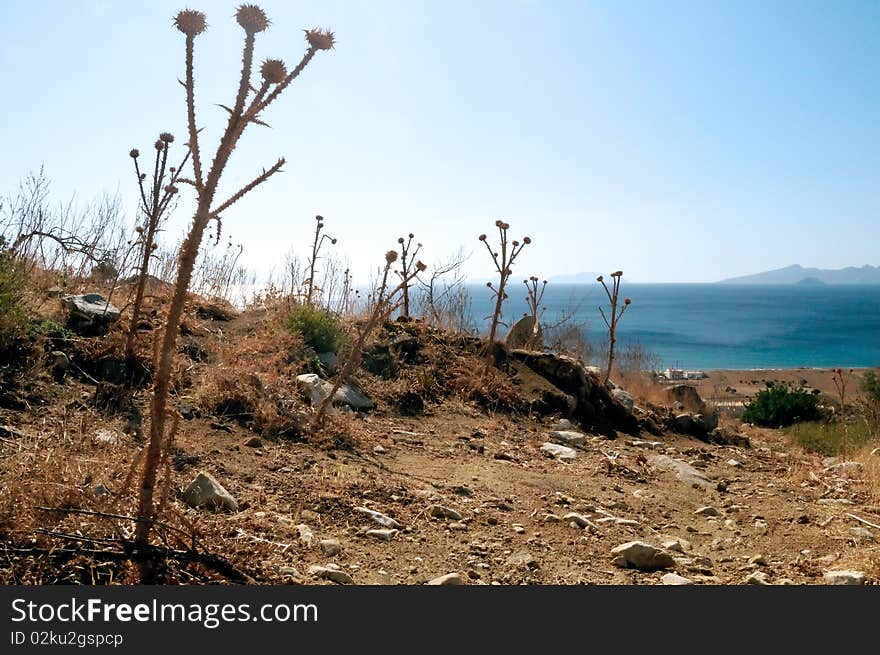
[(797, 274)]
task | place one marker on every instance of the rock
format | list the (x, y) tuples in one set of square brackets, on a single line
[(581, 520), (642, 556), (383, 534), (446, 580), (347, 394), (624, 399), (675, 579), (845, 469), (675, 546), (379, 450), (522, 559), (518, 528), (562, 453), (689, 424), (683, 471), (569, 437), (650, 445), (525, 333), (835, 501), (205, 491), (254, 442), (330, 547), (758, 578), (59, 363), (305, 534), (379, 517), (291, 571), (90, 314), (330, 362), (687, 396), (758, 560), (106, 437), (564, 424), (309, 515), (332, 573), (862, 533), (708, 511), (441, 512), (458, 526), (844, 578), (734, 463), (99, 490)]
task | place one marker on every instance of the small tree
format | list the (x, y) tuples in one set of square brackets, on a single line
[(611, 319), (503, 259)]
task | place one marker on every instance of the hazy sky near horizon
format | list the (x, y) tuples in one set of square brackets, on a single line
[(677, 140)]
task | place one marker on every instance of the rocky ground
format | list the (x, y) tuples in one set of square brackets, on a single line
[(456, 492)]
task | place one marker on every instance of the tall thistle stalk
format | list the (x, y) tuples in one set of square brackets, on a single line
[(612, 318), (250, 101), (155, 195), (503, 260), (316, 249), (407, 260)]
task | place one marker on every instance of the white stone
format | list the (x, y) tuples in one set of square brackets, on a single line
[(562, 453), (379, 517)]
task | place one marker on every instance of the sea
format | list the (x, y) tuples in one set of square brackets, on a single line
[(719, 326)]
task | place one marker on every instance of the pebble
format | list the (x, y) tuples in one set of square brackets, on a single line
[(708, 511), (734, 463), (385, 534), (205, 491), (330, 547), (445, 580), (642, 556), (862, 533), (569, 437), (675, 546), (379, 517), (441, 512), (332, 573), (379, 450), (254, 442), (518, 528), (758, 578), (309, 515), (305, 534), (562, 453), (844, 578), (758, 560), (675, 579)]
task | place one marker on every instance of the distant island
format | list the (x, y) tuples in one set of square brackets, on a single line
[(799, 275)]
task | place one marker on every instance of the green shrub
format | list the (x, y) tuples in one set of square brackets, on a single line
[(828, 438), (779, 406), (320, 329), (13, 317)]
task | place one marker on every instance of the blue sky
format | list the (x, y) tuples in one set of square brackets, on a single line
[(679, 141)]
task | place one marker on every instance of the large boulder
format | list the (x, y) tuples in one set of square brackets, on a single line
[(525, 333), (89, 314), (594, 406)]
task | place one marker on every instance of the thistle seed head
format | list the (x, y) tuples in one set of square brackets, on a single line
[(617, 274), (400, 240), (191, 22), (527, 240), (627, 301), (391, 256), (482, 237), (599, 279), (319, 218), (134, 153), (420, 266), (166, 137), (411, 235), (159, 145), (320, 39), (515, 243), (333, 241), (252, 18), (273, 71), (498, 223)]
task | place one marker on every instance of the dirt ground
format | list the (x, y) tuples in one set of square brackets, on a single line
[(745, 384), (769, 511)]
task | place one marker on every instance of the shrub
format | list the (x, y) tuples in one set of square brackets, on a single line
[(779, 406), (319, 328), (829, 439), (13, 318)]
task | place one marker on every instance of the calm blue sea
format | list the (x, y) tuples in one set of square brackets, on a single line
[(714, 326)]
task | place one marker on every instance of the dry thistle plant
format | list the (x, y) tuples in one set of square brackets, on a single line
[(155, 197), (534, 296), (407, 260), (383, 304), (250, 101), (503, 264), (316, 248), (615, 314), (840, 379)]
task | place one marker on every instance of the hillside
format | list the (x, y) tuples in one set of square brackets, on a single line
[(797, 274), (440, 478)]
